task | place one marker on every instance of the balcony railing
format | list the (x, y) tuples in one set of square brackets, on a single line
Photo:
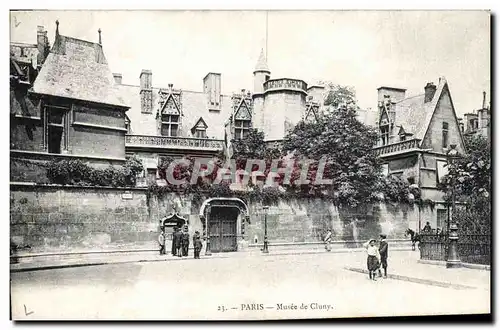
[(285, 83), (397, 147), (151, 141)]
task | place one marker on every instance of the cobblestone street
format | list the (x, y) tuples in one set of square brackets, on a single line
[(249, 287)]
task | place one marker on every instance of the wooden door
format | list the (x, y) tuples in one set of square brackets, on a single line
[(222, 229)]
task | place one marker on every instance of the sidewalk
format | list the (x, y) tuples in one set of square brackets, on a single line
[(31, 262), (405, 265)]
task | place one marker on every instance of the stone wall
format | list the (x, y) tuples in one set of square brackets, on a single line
[(64, 219)]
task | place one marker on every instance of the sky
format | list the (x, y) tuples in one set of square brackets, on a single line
[(363, 49)]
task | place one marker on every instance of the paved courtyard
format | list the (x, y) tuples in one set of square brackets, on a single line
[(251, 287)]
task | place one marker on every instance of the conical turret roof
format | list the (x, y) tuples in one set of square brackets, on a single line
[(262, 63)]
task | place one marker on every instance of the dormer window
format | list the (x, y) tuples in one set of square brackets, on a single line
[(384, 134), (242, 118), (169, 125), (200, 133), (199, 130), (241, 128)]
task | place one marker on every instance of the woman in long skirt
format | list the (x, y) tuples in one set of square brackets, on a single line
[(373, 259)]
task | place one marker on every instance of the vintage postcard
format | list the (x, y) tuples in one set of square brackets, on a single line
[(249, 165)]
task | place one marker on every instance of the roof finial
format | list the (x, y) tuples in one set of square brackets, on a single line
[(100, 42), (57, 27)]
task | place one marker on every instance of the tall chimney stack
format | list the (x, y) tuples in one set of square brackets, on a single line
[(42, 45), (430, 90), (146, 78), (484, 100)]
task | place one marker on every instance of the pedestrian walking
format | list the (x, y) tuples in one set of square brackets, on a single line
[(185, 242), (383, 251), (197, 244), (328, 240), (178, 242), (373, 258), (161, 241)]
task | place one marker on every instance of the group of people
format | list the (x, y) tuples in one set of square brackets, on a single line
[(180, 242), (429, 230), (377, 256)]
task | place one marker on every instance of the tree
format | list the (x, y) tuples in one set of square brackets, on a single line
[(470, 177), (470, 172), (340, 96), (347, 145)]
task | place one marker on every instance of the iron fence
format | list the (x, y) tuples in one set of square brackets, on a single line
[(472, 248)]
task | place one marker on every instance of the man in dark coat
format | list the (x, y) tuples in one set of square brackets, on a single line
[(197, 244), (383, 250), (173, 241), (178, 242), (185, 242)]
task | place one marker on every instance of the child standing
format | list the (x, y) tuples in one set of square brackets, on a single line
[(373, 259)]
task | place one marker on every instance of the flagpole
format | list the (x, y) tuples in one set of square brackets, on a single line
[(267, 32)]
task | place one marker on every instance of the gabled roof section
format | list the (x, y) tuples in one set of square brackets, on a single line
[(77, 69), (411, 114), (443, 87), (414, 115), (170, 107), (243, 111), (311, 111), (262, 63), (200, 124), (384, 118)]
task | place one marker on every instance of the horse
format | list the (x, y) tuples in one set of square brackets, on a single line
[(414, 238)]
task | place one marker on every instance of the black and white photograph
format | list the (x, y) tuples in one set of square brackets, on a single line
[(243, 165)]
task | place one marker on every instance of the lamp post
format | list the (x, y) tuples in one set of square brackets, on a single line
[(453, 260), (208, 252), (266, 248)]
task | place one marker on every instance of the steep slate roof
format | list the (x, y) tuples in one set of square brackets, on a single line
[(194, 106), (77, 69), (414, 115)]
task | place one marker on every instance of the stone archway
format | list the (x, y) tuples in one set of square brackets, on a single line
[(223, 220), (168, 223), (173, 220)]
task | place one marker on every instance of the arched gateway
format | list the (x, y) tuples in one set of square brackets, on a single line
[(223, 220)]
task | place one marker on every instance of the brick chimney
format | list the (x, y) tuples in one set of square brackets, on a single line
[(430, 90), (484, 100), (118, 78), (42, 45)]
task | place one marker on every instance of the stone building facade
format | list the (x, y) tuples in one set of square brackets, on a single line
[(66, 104), (171, 121), (416, 133), (64, 107), (477, 122)]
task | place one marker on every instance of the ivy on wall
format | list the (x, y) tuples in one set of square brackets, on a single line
[(75, 172)]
